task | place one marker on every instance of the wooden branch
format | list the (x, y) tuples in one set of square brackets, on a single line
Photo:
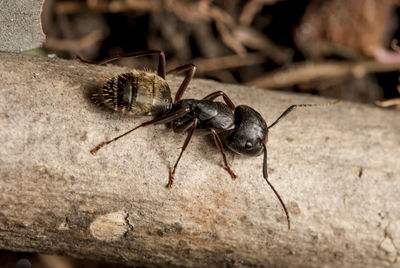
[(20, 25), (306, 73), (337, 168)]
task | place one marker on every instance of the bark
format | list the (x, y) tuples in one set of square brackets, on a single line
[(20, 25), (335, 167)]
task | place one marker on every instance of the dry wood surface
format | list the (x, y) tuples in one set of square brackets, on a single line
[(337, 169)]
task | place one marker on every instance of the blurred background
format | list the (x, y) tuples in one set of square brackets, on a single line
[(341, 49)]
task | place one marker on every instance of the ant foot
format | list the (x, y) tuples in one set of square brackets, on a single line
[(98, 147), (170, 179), (233, 175)]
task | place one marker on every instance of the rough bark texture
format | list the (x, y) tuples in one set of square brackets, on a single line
[(336, 168), (20, 26)]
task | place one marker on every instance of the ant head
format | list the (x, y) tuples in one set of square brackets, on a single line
[(249, 137), (249, 133)]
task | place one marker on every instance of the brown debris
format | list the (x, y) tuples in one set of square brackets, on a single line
[(348, 28)]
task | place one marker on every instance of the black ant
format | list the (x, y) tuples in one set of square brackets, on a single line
[(242, 129)]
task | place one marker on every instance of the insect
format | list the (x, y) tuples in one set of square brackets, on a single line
[(240, 128)]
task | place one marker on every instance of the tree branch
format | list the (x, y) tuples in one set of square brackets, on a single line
[(306, 72), (20, 25), (335, 167)]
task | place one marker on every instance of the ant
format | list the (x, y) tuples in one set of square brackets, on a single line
[(239, 128)]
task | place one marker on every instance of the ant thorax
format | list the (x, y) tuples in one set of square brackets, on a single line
[(210, 114)]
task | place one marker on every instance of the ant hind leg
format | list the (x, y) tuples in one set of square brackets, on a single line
[(159, 120), (191, 68), (161, 59)]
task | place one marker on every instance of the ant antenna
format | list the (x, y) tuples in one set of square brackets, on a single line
[(272, 187), (292, 107)]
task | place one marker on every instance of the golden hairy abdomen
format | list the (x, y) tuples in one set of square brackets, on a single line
[(136, 93)]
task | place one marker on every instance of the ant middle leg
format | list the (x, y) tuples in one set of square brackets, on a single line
[(181, 128), (191, 68), (161, 69), (216, 94), (185, 144), (220, 148)]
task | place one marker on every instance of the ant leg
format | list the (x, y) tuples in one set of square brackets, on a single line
[(191, 68), (160, 120), (161, 59), (220, 147), (216, 94), (292, 107), (265, 174), (185, 144), (181, 128)]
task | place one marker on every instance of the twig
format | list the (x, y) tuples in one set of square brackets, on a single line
[(253, 39), (58, 198), (390, 102), (73, 45), (67, 7), (231, 61), (251, 8), (305, 72), (228, 38)]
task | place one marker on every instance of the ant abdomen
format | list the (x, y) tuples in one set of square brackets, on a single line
[(135, 93)]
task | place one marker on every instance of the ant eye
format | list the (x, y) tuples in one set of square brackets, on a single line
[(248, 145)]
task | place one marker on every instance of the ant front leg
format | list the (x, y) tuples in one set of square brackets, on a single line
[(220, 148), (191, 68), (161, 69), (216, 94)]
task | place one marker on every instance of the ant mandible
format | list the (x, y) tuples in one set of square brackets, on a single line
[(242, 129)]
